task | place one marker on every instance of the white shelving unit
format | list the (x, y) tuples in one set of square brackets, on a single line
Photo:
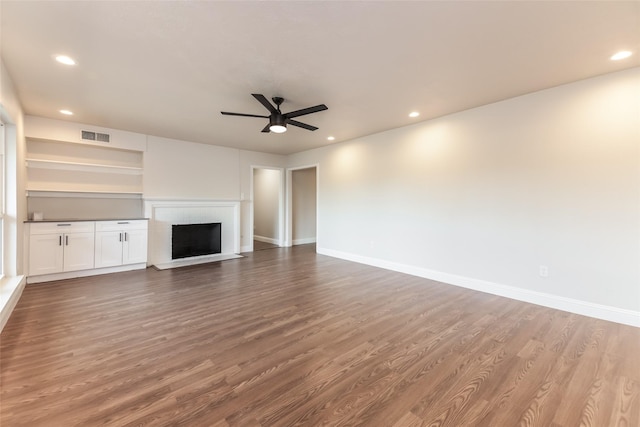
[(75, 181), (82, 167), (68, 167)]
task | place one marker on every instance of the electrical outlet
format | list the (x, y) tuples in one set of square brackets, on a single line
[(544, 271)]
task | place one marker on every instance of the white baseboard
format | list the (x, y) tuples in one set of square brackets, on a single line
[(10, 291), (599, 311), (247, 248), (304, 241), (85, 273), (266, 240)]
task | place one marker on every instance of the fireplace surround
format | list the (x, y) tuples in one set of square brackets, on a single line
[(164, 213)]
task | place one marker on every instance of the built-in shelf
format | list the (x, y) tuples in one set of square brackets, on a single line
[(83, 167), (72, 168), (85, 183)]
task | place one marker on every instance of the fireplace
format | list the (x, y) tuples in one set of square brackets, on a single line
[(192, 240), (164, 213)]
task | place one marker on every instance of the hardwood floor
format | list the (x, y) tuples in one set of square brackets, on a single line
[(286, 337), (260, 246)]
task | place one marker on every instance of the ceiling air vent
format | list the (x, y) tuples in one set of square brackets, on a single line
[(88, 135), (95, 136), (102, 137)]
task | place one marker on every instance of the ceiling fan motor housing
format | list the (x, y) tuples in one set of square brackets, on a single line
[(277, 120)]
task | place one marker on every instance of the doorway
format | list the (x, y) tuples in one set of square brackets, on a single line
[(303, 207), (267, 207)]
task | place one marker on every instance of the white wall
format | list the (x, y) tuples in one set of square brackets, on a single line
[(86, 207), (187, 170), (266, 204), (303, 202), (484, 197)]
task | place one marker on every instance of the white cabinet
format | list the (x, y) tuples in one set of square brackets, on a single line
[(77, 251), (61, 247), (120, 243), (45, 254), (61, 250), (134, 249)]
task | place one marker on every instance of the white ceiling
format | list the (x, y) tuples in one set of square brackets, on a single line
[(169, 68)]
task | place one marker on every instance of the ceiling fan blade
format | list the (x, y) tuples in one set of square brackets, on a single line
[(301, 125), (304, 111), (266, 128), (226, 113), (264, 101)]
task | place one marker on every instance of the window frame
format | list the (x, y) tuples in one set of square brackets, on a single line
[(3, 243)]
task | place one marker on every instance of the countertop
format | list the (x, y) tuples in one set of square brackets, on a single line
[(30, 221)]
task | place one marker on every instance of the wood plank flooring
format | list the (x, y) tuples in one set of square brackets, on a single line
[(286, 337), (260, 246)]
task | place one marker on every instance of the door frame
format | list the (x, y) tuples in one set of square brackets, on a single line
[(288, 241), (281, 203)]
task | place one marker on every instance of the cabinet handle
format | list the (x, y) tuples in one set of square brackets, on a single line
[(123, 222), (59, 240), (64, 225), (66, 240), (125, 237), (120, 238)]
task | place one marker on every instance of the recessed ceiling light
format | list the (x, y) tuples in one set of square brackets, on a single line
[(331, 138), (414, 114), (66, 112), (621, 55), (64, 59)]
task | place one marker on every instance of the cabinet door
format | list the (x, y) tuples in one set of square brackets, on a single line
[(135, 247), (108, 248), (78, 251), (45, 254)]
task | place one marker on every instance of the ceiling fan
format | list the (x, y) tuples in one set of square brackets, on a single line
[(277, 120)]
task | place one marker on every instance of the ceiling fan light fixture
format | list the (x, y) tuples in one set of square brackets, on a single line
[(278, 128), (277, 123)]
